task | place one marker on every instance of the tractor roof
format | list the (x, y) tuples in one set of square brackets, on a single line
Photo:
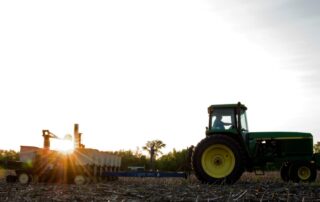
[(226, 106)]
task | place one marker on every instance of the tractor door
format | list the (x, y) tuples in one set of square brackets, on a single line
[(244, 126)]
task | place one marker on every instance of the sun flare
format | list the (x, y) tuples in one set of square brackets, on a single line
[(63, 146)]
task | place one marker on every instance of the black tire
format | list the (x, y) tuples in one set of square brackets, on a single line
[(284, 172), (11, 179), (303, 172), (202, 154)]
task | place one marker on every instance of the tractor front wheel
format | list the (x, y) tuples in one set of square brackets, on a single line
[(303, 172), (218, 159)]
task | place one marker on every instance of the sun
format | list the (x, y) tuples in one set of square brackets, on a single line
[(66, 147), (63, 146)]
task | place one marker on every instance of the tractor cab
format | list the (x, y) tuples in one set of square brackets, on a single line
[(227, 118)]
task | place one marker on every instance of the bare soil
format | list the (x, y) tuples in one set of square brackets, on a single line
[(250, 187)]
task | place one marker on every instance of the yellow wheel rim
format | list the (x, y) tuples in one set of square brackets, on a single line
[(304, 173), (218, 161)]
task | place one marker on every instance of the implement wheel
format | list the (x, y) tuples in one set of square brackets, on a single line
[(218, 159), (303, 172), (24, 178), (80, 180)]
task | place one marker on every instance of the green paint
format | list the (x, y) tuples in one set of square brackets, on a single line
[(261, 147)]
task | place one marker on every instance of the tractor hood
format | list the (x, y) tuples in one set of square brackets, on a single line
[(288, 144), (279, 135)]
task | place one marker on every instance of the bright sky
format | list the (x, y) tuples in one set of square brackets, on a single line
[(133, 71)]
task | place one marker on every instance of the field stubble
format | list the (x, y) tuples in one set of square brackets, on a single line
[(250, 187)]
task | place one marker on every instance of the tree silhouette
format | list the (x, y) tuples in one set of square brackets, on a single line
[(316, 148), (154, 149)]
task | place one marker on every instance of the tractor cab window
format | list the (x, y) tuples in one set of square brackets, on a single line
[(244, 123), (222, 119)]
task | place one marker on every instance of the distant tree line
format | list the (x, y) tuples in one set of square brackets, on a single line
[(175, 161), (10, 155), (316, 148), (172, 161), (132, 158)]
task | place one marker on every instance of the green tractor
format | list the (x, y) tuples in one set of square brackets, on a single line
[(229, 149)]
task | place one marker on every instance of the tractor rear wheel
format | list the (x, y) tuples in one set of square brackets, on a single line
[(218, 159), (303, 172), (284, 172)]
